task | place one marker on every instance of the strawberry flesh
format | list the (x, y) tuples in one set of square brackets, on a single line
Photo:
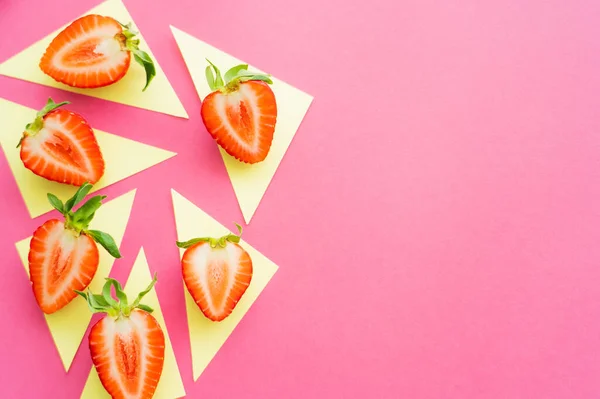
[(60, 261), (216, 277), (128, 353), (242, 120), (65, 150), (88, 53)]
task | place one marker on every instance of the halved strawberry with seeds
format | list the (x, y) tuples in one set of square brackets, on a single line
[(241, 112), (59, 145), (216, 272), (128, 345), (63, 256), (94, 51)]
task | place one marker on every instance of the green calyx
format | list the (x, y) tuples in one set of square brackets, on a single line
[(214, 242), (79, 220), (105, 303), (233, 77), (130, 42), (33, 128)]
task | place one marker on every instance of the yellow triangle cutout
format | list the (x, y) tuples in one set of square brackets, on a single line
[(250, 182), (123, 158), (170, 385), (159, 96), (69, 324), (206, 336)]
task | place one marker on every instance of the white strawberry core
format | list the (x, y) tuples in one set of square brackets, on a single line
[(44, 136), (109, 58), (232, 100), (36, 144), (108, 47), (125, 327), (67, 241), (207, 264)]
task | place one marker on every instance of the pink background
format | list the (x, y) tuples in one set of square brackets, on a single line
[(436, 219)]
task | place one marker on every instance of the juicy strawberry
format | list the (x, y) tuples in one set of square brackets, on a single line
[(94, 51), (61, 146), (60, 261), (127, 346), (241, 112), (217, 273), (63, 256)]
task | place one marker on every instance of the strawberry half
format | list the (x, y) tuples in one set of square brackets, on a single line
[(63, 256), (128, 345), (60, 145), (241, 112), (216, 272), (94, 51)]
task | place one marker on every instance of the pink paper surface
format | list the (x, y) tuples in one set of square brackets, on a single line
[(436, 219)]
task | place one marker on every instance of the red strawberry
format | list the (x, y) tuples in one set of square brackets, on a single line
[(128, 345), (63, 255), (216, 272), (241, 112), (94, 51), (60, 145)]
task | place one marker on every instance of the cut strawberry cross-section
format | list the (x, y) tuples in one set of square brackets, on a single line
[(59, 145), (216, 272), (63, 256), (241, 112), (128, 345), (94, 51)]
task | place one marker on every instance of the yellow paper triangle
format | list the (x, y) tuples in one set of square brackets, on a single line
[(206, 336), (123, 158), (69, 324), (250, 182), (159, 96), (170, 385)]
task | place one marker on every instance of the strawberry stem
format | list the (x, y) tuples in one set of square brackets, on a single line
[(120, 307), (214, 242), (130, 42), (33, 128), (232, 78)]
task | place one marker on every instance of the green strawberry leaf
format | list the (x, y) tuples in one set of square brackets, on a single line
[(83, 216), (189, 243), (264, 78), (106, 293), (106, 241), (141, 57), (145, 308), (120, 294), (144, 60), (210, 77), (93, 302), (96, 303), (234, 71), (56, 203), (213, 242), (136, 303), (100, 300), (239, 229), (218, 79), (231, 237), (126, 27), (78, 197), (50, 106), (233, 77), (81, 293)]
